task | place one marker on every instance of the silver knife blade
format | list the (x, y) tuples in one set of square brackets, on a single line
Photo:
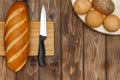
[(43, 31)]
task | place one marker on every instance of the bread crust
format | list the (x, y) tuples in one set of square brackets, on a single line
[(16, 36), (104, 6)]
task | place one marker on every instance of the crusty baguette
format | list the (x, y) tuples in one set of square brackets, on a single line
[(16, 36)]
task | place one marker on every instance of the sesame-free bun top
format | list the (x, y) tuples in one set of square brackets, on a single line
[(94, 19), (111, 23)]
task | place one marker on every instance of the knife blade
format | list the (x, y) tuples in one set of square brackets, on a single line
[(42, 37)]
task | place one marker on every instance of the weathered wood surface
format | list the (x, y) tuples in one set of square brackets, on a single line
[(72, 43), (80, 53), (113, 57), (94, 55)]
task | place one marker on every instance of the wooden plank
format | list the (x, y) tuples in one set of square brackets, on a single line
[(49, 42), (94, 55), (113, 57), (72, 43), (5, 73), (52, 70), (34, 36), (2, 59), (30, 71)]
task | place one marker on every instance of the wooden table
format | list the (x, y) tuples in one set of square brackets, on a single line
[(80, 53)]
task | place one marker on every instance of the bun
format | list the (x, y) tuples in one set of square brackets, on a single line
[(94, 19), (111, 23), (82, 6), (104, 6), (16, 36)]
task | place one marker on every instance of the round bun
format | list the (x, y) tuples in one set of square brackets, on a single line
[(82, 6), (104, 6), (94, 19), (111, 23)]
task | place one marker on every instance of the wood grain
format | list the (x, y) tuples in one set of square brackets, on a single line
[(34, 36), (94, 55), (72, 43), (52, 70), (2, 59), (30, 71), (113, 57), (5, 73)]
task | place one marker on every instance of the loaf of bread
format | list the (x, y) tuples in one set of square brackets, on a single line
[(16, 34)]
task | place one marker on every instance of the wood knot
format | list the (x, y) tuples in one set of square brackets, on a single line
[(55, 66), (33, 62), (32, 67), (52, 15)]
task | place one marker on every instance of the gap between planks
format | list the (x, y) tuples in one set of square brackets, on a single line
[(33, 39)]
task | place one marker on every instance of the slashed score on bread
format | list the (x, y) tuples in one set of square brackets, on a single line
[(16, 36)]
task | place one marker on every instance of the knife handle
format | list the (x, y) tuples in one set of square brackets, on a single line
[(41, 51)]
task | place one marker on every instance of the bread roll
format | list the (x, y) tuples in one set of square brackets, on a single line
[(111, 23), (16, 36), (104, 6), (94, 19), (82, 6)]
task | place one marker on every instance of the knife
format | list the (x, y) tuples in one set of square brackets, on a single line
[(42, 37)]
